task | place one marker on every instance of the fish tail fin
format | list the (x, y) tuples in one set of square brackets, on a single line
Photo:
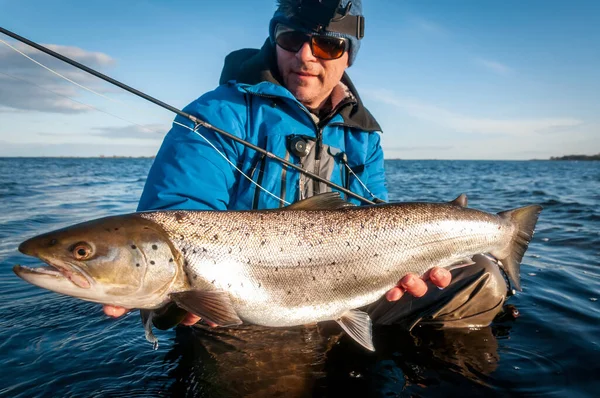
[(525, 219)]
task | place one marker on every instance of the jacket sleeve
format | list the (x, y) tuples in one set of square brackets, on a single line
[(375, 168), (188, 173)]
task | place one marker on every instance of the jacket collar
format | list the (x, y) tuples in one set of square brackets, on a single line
[(258, 68)]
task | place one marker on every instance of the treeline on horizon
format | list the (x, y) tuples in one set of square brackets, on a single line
[(576, 157)]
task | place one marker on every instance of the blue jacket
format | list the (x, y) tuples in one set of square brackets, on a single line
[(188, 173)]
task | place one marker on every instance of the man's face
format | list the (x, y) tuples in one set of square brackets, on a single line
[(308, 78)]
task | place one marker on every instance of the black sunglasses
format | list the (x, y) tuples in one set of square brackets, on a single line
[(323, 47)]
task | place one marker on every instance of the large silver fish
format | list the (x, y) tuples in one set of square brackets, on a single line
[(316, 260)]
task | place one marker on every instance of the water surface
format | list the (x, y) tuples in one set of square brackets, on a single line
[(58, 346)]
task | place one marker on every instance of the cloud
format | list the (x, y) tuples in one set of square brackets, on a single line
[(469, 124), (25, 85), (147, 131), (494, 66)]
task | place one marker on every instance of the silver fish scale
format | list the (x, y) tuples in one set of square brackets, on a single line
[(290, 267)]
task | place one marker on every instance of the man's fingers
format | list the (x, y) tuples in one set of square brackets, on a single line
[(440, 277), (113, 311), (394, 294), (190, 319), (414, 285)]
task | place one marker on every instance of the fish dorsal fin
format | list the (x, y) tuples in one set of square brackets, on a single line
[(212, 306), (323, 201), (358, 326), (460, 201)]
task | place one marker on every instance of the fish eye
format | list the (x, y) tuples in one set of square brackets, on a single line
[(82, 251)]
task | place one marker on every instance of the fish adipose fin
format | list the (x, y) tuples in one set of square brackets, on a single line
[(525, 219), (358, 326), (461, 201), (213, 306), (324, 201)]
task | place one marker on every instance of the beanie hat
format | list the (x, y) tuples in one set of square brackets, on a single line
[(300, 15)]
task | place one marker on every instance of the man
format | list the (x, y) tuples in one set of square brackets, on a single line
[(294, 99)]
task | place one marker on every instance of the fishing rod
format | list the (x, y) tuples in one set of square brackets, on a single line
[(195, 120)]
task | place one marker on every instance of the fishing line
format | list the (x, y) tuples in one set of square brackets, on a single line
[(58, 74), (195, 130), (360, 181)]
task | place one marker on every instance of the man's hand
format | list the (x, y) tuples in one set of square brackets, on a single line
[(115, 312), (411, 283), (416, 286)]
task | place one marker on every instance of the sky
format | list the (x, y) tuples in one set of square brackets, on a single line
[(461, 79)]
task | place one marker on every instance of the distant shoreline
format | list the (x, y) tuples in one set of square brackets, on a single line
[(576, 157)]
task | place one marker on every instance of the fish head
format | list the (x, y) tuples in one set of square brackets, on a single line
[(122, 260)]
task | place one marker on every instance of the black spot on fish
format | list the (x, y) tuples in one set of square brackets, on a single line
[(137, 264), (181, 237), (340, 271), (376, 255), (195, 276), (179, 217), (133, 247), (184, 250), (152, 262), (154, 247), (262, 243), (216, 237), (276, 269), (330, 229), (259, 284), (170, 260), (310, 260), (194, 251), (116, 229), (185, 263), (333, 263), (314, 278), (146, 228), (347, 243), (355, 277), (213, 281), (289, 292), (204, 249), (299, 243), (230, 250), (229, 285)]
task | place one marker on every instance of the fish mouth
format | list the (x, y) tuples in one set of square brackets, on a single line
[(53, 270)]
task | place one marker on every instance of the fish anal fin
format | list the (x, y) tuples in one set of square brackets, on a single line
[(358, 325), (524, 219), (324, 201), (212, 306), (461, 200)]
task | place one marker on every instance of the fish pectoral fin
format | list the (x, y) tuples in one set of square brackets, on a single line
[(358, 325), (147, 321), (324, 201), (213, 306)]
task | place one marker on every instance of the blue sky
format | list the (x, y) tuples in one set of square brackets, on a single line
[(446, 79)]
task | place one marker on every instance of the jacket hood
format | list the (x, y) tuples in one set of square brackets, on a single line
[(252, 66)]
